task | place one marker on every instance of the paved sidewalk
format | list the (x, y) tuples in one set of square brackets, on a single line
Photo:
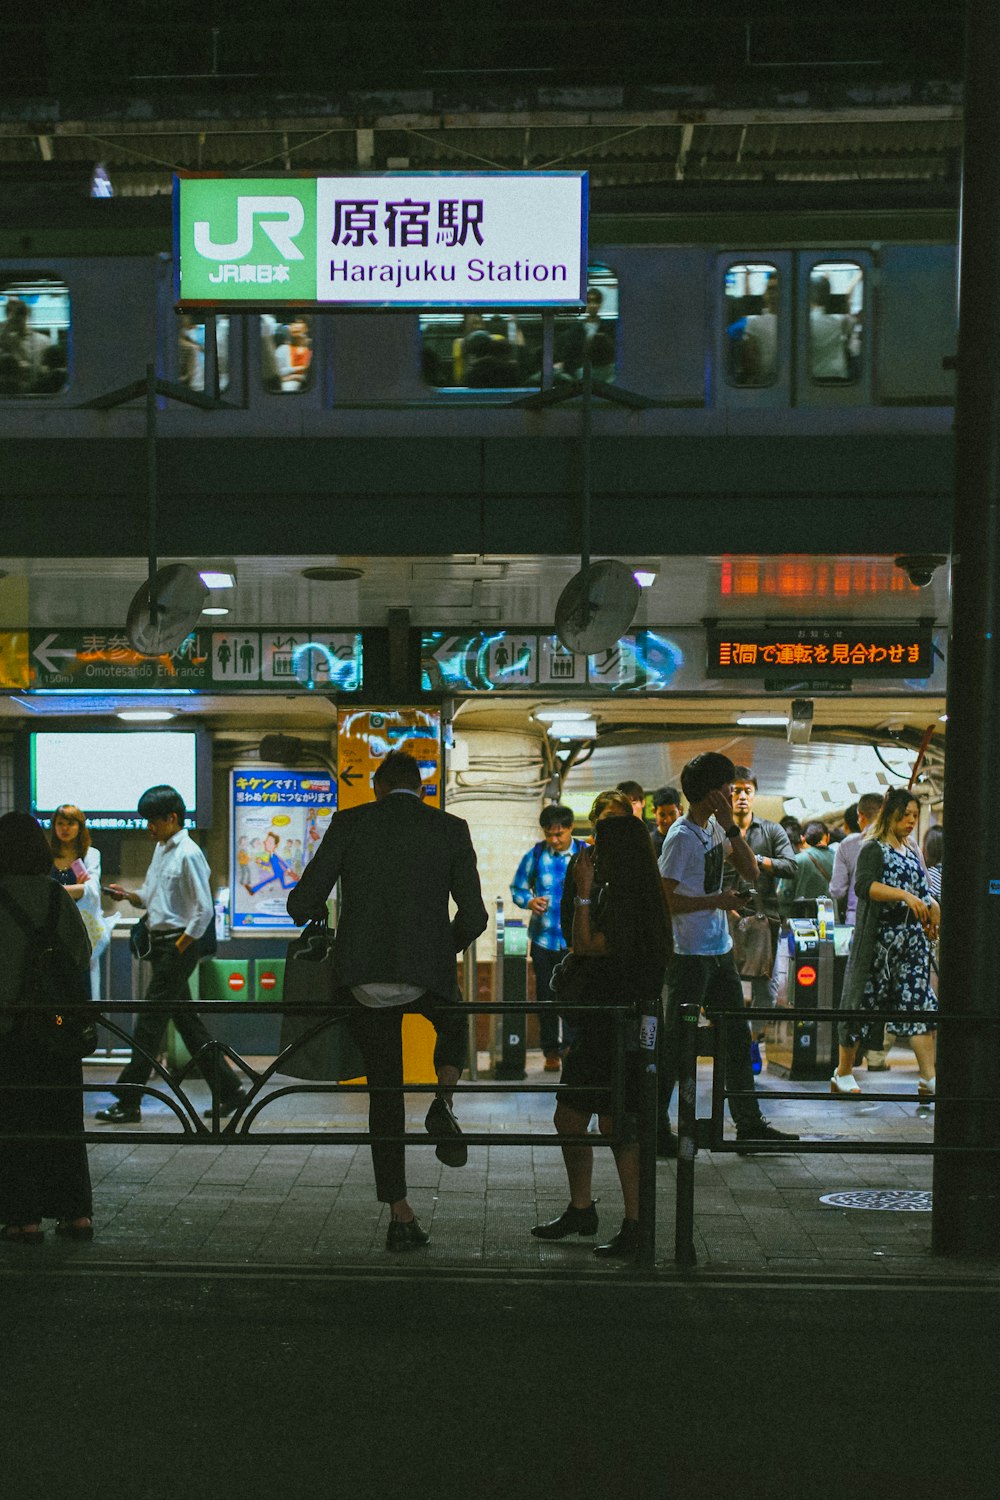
[(164, 1203)]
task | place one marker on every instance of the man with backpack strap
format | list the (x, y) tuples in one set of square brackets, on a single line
[(537, 887)]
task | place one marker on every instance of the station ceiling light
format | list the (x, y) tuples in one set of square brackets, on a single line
[(221, 578), (644, 577), (763, 721), (216, 609), (564, 715), (145, 715)]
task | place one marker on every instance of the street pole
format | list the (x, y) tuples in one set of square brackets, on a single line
[(966, 1219)]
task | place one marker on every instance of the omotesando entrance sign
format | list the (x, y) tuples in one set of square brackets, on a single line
[(449, 239), (278, 819), (288, 660)]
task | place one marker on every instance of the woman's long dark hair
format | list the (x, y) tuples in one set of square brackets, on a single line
[(632, 913), (896, 800)]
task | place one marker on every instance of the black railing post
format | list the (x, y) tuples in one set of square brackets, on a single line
[(687, 1133), (647, 1141), (967, 1187)]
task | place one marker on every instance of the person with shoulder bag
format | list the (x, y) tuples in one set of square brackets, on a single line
[(177, 931), (45, 948), (755, 932)]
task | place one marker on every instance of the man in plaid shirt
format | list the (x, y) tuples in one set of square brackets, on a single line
[(537, 887)]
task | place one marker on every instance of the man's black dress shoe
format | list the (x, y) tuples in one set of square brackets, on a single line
[(624, 1246), (400, 1236), (119, 1114), (572, 1220), (226, 1109), (750, 1135), (442, 1125)]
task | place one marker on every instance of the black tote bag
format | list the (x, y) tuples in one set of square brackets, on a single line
[(311, 980)]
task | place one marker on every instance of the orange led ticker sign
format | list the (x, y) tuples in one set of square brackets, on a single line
[(829, 651)]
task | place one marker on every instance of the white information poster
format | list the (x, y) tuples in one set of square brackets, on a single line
[(278, 819)]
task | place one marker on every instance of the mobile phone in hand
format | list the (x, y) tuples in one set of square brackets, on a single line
[(79, 869)]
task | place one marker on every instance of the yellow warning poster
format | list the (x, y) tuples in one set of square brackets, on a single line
[(14, 659), (365, 735)]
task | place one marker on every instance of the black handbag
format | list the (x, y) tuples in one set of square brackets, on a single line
[(579, 980), (311, 980)]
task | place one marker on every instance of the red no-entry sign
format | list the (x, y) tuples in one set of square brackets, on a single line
[(236, 981), (268, 980)]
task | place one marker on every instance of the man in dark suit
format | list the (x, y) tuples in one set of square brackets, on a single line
[(398, 861)]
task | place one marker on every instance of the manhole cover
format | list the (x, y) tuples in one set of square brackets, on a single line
[(892, 1199)]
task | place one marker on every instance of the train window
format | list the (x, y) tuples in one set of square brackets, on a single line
[(751, 321), (836, 321), (484, 350), (34, 336), (191, 351), (286, 351)]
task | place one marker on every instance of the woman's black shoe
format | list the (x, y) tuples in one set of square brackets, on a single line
[(624, 1246), (572, 1221)]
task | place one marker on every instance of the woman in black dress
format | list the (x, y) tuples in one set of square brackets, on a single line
[(39, 1179), (623, 940)]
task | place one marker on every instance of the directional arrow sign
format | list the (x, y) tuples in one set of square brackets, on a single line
[(45, 653), (350, 774)]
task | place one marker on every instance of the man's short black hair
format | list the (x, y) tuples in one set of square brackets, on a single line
[(632, 790), (160, 802), (706, 773), (869, 805), (851, 818), (666, 796), (556, 816), (744, 773), (398, 772), (815, 832)]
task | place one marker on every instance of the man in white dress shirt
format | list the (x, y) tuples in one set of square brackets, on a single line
[(177, 898)]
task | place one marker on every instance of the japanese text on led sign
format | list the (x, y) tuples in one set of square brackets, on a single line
[(397, 240), (738, 652)]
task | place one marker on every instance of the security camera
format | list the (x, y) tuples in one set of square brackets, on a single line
[(920, 567)]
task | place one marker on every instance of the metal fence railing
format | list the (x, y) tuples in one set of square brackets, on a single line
[(709, 1131), (265, 1086)]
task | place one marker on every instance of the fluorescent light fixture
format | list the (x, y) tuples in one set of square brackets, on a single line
[(942, 718), (576, 728), (215, 609), (213, 579), (562, 715), (145, 715), (644, 577), (763, 721)]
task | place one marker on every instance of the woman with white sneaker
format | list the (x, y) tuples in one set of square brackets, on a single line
[(889, 964)]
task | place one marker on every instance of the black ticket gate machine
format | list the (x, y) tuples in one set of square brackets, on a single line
[(510, 981), (807, 1049)]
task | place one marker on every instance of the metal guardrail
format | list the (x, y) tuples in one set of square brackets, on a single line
[(693, 1132), (632, 1034)]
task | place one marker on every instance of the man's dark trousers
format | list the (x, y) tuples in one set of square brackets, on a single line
[(169, 990), (714, 984), (378, 1031)]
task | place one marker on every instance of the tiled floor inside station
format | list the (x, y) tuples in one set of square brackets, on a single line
[(314, 1205)]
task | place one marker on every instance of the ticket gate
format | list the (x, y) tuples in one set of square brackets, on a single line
[(510, 985), (815, 957)]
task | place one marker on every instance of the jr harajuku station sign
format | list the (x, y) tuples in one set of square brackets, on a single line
[(402, 239)]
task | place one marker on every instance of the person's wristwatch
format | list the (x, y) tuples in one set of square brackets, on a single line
[(581, 901)]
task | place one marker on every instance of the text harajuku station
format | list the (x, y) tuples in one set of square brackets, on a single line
[(450, 239)]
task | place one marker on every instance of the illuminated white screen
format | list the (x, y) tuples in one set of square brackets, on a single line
[(108, 772)]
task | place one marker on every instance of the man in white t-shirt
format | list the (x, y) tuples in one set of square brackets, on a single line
[(701, 971)]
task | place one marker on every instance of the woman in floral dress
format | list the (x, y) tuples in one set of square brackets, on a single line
[(889, 964)]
